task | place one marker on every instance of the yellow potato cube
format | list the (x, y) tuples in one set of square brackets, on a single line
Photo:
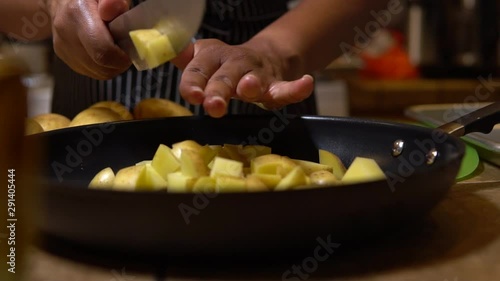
[(295, 178), (254, 184), (152, 46), (103, 180), (363, 170), (192, 164), (150, 179), (204, 185), (164, 161), (180, 183), (332, 160), (272, 164), (126, 178), (226, 167), (270, 181), (310, 167), (230, 184), (323, 178)]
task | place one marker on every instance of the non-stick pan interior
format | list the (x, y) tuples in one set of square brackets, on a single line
[(76, 154), (241, 223)]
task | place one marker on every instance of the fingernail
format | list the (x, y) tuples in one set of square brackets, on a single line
[(216, 100), (252, 90), (216, 106), (196, 89), (308, 77), (197, 95)]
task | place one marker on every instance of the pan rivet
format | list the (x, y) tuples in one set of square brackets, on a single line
[(398, 147), (431, 156)]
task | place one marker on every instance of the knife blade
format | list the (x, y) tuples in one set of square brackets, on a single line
[(179, 20)]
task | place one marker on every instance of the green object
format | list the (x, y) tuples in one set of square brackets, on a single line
[(470, 162)]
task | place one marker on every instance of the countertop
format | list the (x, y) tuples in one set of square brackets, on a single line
[(459, 241)]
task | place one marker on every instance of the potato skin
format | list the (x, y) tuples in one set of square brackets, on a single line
[(158, 108), (95, 115), (52, 121), (116, 107), (32, 127)]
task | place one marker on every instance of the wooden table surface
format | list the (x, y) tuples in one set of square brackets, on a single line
[(459, 241)]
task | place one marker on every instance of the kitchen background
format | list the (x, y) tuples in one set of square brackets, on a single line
[(430, 52)]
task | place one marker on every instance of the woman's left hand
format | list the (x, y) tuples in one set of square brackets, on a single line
[(215, 72)]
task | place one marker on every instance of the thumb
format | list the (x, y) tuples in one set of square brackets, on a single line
[(283, 93), (110, 9)]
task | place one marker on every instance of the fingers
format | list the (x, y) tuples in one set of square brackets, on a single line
[(110, 9), (197, 73), (282, 93), (221, 87), (216, 72), (83, 42), (250, 88), (106, 57)]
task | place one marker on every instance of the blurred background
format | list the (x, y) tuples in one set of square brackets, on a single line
[(431, 52)]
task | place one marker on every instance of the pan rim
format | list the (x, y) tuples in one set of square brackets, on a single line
[(53, 184)]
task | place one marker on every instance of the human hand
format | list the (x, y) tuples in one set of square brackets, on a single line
[(82, 40), (215, 72)]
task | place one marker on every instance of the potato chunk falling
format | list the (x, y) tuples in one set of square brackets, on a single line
[(152, 46)]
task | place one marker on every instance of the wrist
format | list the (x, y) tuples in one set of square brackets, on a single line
[(283, 56)]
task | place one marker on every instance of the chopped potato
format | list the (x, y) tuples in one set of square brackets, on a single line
[(104, 179), (363, 170), (152, 46), (332, 160), (188, 166)]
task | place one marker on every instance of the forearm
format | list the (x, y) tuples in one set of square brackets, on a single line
[(310, 36), (24, 20)]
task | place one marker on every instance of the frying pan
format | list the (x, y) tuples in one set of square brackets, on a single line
[(420, 163)]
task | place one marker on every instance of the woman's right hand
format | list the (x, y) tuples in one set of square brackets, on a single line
[(82, 39)]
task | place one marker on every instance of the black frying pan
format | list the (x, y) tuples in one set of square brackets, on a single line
[(247, 223)]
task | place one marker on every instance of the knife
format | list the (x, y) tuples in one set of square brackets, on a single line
[(179, 20)]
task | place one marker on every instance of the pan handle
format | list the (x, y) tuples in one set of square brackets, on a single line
[(482, 120)]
